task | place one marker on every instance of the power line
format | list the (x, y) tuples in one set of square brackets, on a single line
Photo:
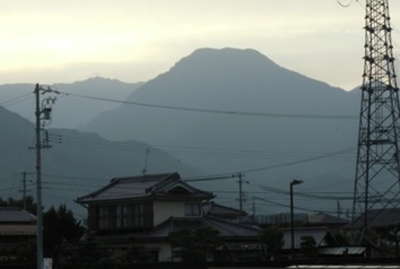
[(71, 177), (270, 167), (16, 98), (320, 197), (182, 148), (211, 111), (296, 207)]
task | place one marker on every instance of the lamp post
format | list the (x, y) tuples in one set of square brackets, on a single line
[(294, 182)]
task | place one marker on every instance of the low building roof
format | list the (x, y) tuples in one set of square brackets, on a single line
[(214, 209), (325, 219), (342, 251), (225, 228), (15, 215), (145, 186)]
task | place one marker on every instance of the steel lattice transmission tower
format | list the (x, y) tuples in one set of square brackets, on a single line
[(377, 184)]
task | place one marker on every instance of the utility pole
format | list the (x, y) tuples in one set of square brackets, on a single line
[(240, 176), (292, 237), (146, 160), (42, 114), (39, 212), (339, 209), (253, 208), (24, 189)]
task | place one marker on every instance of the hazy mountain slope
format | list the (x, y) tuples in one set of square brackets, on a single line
[(80, 164), (243, 80), (70, 112)]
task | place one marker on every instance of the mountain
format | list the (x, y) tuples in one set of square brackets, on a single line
[(70, 112), (244, 80), (81, 163)]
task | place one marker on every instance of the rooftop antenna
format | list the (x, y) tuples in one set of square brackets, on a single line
[(146, 160)]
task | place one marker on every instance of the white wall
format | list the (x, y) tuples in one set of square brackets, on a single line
[(165, 209), (318, 234)]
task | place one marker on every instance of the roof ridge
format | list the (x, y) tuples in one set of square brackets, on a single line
[(156, 178), (231, 223), (227, 207), (144, 177), (164, 181)]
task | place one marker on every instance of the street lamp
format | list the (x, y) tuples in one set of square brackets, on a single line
[(294, 182)]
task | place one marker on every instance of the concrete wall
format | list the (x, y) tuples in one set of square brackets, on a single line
[(165, 209)]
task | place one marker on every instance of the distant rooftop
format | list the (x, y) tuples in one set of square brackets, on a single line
[(15, 215), (214, 209), (325, 219), (225, 228)]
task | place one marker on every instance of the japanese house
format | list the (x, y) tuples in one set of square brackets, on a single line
[(147, 209)]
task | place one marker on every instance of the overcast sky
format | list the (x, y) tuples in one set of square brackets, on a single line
[(62, 41)]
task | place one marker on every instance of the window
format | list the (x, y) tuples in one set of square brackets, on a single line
[(121, 217), (192, 209), (107, 217), (134, 215)]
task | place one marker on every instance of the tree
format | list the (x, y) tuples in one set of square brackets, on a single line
[(196, 244), (337, 239), (308, 245), (60, 228), (19, 203), (272, 238)]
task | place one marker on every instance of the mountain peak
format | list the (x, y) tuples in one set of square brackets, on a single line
[(98, 80), (206, 58), (227, 52)]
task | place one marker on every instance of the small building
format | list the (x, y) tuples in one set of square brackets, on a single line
[(147, 209), (318, 234), (280, 219), (17, 226)]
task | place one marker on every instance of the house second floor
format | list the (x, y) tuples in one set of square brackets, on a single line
[(140, 203)]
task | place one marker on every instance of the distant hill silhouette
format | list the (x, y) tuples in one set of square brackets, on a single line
[(243, 80), (71, 112), (80, 164)]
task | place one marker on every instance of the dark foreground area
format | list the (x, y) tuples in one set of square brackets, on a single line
[(303, 264)]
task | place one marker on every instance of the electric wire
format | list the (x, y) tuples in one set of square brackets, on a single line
[(229, 175), (302, 194), (296, 207), (16, 98), (208, 110)]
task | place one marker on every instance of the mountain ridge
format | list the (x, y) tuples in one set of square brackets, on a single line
[(241, 85), (76, 163), (70, 111)]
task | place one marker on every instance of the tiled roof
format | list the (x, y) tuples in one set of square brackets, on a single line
[(340, 251), (137, 187), (15, 215), (225, 228), (218, 210)]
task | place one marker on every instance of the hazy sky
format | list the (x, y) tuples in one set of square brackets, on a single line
[(61, 41)]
